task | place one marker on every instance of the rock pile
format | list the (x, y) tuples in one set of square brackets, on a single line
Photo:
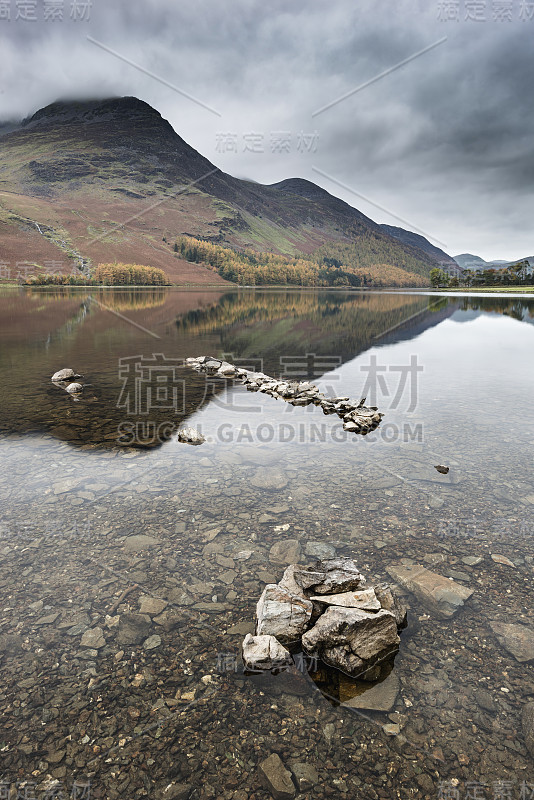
[(327, 610), (357, 417), (65, 378)]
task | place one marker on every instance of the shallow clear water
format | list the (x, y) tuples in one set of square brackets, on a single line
[(453, 376)]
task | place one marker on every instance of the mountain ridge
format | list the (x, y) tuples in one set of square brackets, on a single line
[(118, 159)]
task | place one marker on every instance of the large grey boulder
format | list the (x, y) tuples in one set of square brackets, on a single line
[(353, 640), (264, 653), (441, 596), (282, 614), (226, 370), (276, 778)]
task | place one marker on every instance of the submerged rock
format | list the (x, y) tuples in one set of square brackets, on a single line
[(500, 559), (527, 723), (276, 778), (133, 629), (380, 697), (353, 640), (517, 639), (282, 614), (139, 541), (190, 436), (441, 596), (285, 552), (305, 775), (177, 791), (270, 478), (320, 550), (93, 638), (264, 653)]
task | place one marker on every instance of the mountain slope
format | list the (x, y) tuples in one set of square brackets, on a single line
[(416, 240), (110, 179)]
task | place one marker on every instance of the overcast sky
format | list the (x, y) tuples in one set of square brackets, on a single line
[(443, 142)]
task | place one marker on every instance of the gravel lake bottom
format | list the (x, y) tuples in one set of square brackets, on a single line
[(131, 563)]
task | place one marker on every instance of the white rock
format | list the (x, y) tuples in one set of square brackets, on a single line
[(366, 599), (64, 375), (74, 388), (282, 614), (190, 436), (226, 370), (264, 652)]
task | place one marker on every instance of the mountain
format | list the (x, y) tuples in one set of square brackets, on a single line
[(469, 261), (416, 240), (104, 180)]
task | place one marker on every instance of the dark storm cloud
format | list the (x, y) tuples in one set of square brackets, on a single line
[(444, 141)]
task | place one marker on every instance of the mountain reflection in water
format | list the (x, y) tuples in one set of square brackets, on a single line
[(93, 330)]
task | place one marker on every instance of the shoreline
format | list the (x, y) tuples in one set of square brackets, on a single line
[(285, 287), (492, 289)]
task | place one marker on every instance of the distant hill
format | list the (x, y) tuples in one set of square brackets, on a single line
[(469, 261), (530, 260), (104, 180)]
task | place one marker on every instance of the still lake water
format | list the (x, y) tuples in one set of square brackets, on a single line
[(454, 377)]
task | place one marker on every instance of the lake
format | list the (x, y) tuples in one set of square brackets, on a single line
[(105, 514)]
